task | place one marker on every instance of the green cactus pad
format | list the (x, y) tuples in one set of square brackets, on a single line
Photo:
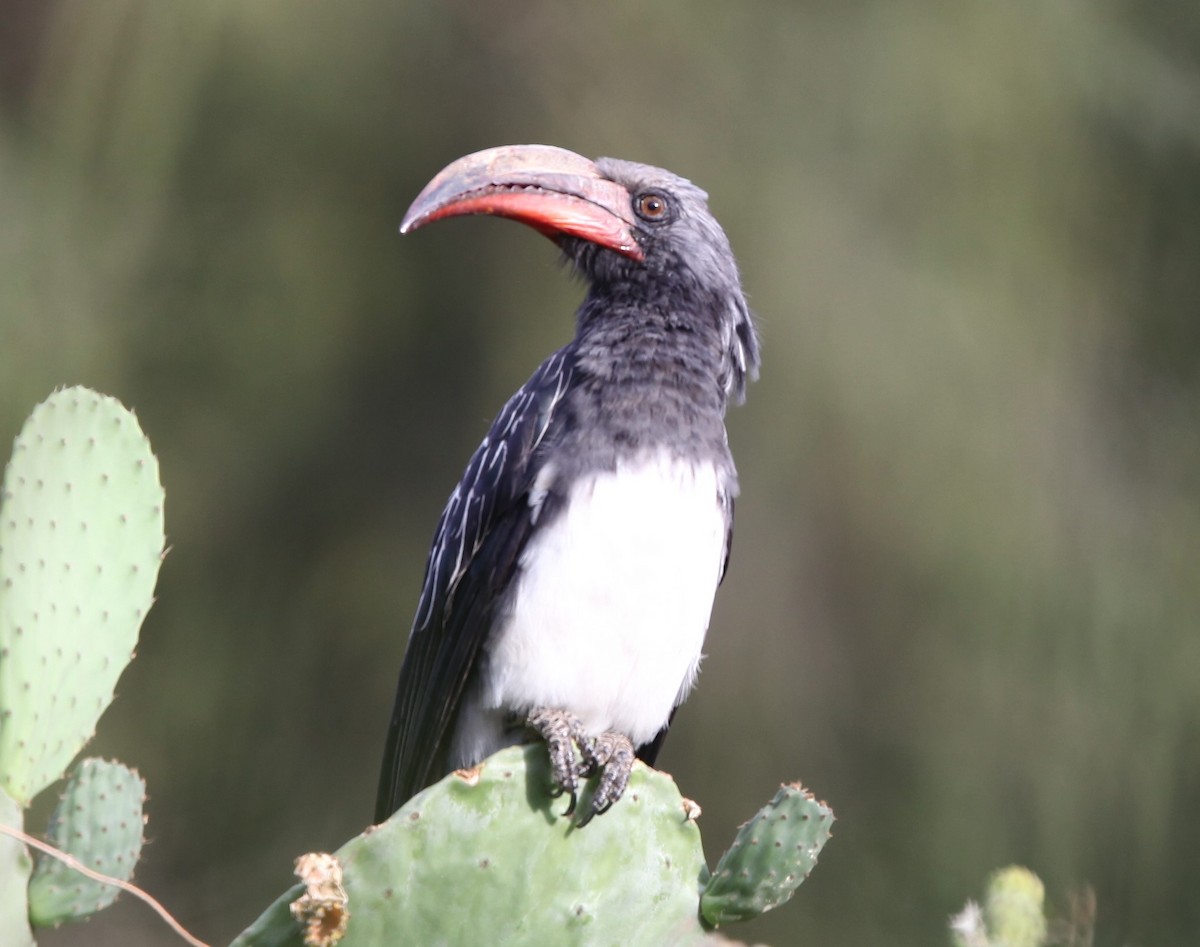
[(1013, 913), (81, 538), (490, 859), (772, 854), (15, 864), (276, 926), (99, 821), (1015, 908)]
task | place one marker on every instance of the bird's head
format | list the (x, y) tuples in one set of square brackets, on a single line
[(618, 221)]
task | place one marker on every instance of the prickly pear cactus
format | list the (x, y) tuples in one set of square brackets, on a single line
[(1015, 908), (487, 857), (1013, 913), (99, 821), (15, 865), (772, 854), (81, 537)]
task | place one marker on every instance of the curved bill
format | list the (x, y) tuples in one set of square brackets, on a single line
[(553, 190)]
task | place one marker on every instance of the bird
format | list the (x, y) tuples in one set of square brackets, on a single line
[(570, 583)]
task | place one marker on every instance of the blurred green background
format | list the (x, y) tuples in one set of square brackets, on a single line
[(964, 597)]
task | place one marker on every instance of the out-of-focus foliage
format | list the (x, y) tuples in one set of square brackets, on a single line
[(964, 601)]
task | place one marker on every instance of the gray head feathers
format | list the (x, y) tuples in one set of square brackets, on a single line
[(688, 255)]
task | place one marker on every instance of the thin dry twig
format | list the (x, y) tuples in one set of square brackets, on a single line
[(83, 869)]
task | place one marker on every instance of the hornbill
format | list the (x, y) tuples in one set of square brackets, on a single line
[(572, 574)]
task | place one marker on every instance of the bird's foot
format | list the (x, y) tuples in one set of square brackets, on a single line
[(562, 732), (611, 757)]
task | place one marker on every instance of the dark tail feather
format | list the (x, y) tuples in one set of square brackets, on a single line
[(648, 752)]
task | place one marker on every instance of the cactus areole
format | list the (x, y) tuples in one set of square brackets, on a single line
[(572, 574)]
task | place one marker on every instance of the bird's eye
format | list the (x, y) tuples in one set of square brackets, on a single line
[(651, 206)]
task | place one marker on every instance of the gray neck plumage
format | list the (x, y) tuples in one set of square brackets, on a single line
[(652, 371), (702, 296)]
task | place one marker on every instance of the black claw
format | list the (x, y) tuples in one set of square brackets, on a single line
[(609, 756), (586, 818)]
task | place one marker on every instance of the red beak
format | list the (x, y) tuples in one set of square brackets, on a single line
[(553, 190)]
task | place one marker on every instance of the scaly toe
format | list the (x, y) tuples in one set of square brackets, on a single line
[(614, 756), (561, 731)]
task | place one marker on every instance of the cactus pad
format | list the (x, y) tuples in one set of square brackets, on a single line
[(81, 538), (1013, 913), (99, 821), (772, 854), (14, 875), (1015, 908), (486, 857)]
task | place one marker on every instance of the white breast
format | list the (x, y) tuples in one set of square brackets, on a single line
[(614, 599)]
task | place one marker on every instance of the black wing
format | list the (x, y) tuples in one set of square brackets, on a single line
[(479, 539)]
